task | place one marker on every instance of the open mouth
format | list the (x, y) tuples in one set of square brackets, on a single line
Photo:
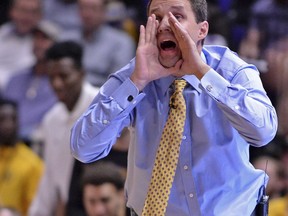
[(167, 45)]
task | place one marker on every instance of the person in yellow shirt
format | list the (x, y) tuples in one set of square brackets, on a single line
[(279, 206), (20, 168)]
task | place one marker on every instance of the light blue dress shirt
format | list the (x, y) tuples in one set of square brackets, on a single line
[(227, 111)]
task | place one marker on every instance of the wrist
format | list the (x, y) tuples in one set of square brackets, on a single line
[(139, 83), (202, 71)]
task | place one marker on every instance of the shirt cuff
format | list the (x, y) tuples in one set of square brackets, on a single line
[(127, 94), (214, 84)]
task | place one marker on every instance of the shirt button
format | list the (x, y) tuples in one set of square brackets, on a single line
[(105, 121), (191, 195), (209, 88), (237, 107), (185, 167), (184, 137), (130, 98)]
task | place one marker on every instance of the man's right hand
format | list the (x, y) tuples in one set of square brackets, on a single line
[(148, 67)]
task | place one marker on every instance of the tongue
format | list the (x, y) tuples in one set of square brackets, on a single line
[(169, 48)]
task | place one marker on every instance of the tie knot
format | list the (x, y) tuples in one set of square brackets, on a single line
[(179, 84)]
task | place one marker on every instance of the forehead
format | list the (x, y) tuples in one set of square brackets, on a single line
[(91, 2), (64, 62), (170, 5), (99, 191)]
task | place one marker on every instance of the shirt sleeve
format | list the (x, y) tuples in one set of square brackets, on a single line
[(95, 132), (245, 103)]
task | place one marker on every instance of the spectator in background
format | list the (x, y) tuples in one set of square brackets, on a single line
[(117, 155), (16, 38), (64, 62), (4, 8), (239, 16), (268, 25), (117, 15), (278, 64), (6, 211), (265, 40), (283, 142), (103, 190), (273, 167), (20, 168), (62, 12), (106, 49), (31, 88), (136, 11), (279, 206), (218, 27)]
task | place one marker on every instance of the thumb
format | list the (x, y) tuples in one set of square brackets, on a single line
[(176, 70)]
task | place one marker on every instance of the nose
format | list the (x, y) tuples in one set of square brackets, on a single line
[(164, 25), (56, 82), (99, 209)]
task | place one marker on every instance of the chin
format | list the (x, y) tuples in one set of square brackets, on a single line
[(167, 63)]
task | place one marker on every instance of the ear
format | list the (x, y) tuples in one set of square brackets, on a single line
[(203, 30)]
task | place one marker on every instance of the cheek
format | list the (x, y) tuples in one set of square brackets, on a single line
[(194, 34), (73, 80), (194, 30)]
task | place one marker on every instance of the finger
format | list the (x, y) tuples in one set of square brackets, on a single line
[(173, 21), (178, 30), (149, 28), (141, 41), (154, 30), (178, 65), (176, 70)]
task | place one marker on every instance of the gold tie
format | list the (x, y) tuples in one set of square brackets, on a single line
[(167, 155)]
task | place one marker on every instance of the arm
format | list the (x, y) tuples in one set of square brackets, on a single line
[(249, 47), (95, 132), (242, 99), (245, 103)]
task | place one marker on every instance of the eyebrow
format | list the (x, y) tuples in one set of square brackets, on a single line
[(173, 8)]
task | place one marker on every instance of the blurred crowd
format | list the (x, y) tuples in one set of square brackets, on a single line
[(54, 57)]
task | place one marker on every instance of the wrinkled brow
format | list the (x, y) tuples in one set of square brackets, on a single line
[(172, 8)]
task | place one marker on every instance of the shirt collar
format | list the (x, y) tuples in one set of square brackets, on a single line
[(165, 83)]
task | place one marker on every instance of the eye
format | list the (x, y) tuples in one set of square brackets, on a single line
[(178, 16), (158, 18)]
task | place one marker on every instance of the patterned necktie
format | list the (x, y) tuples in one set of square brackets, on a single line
[(167, 155)]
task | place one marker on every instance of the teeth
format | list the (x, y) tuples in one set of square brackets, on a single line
[(167, 40)]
